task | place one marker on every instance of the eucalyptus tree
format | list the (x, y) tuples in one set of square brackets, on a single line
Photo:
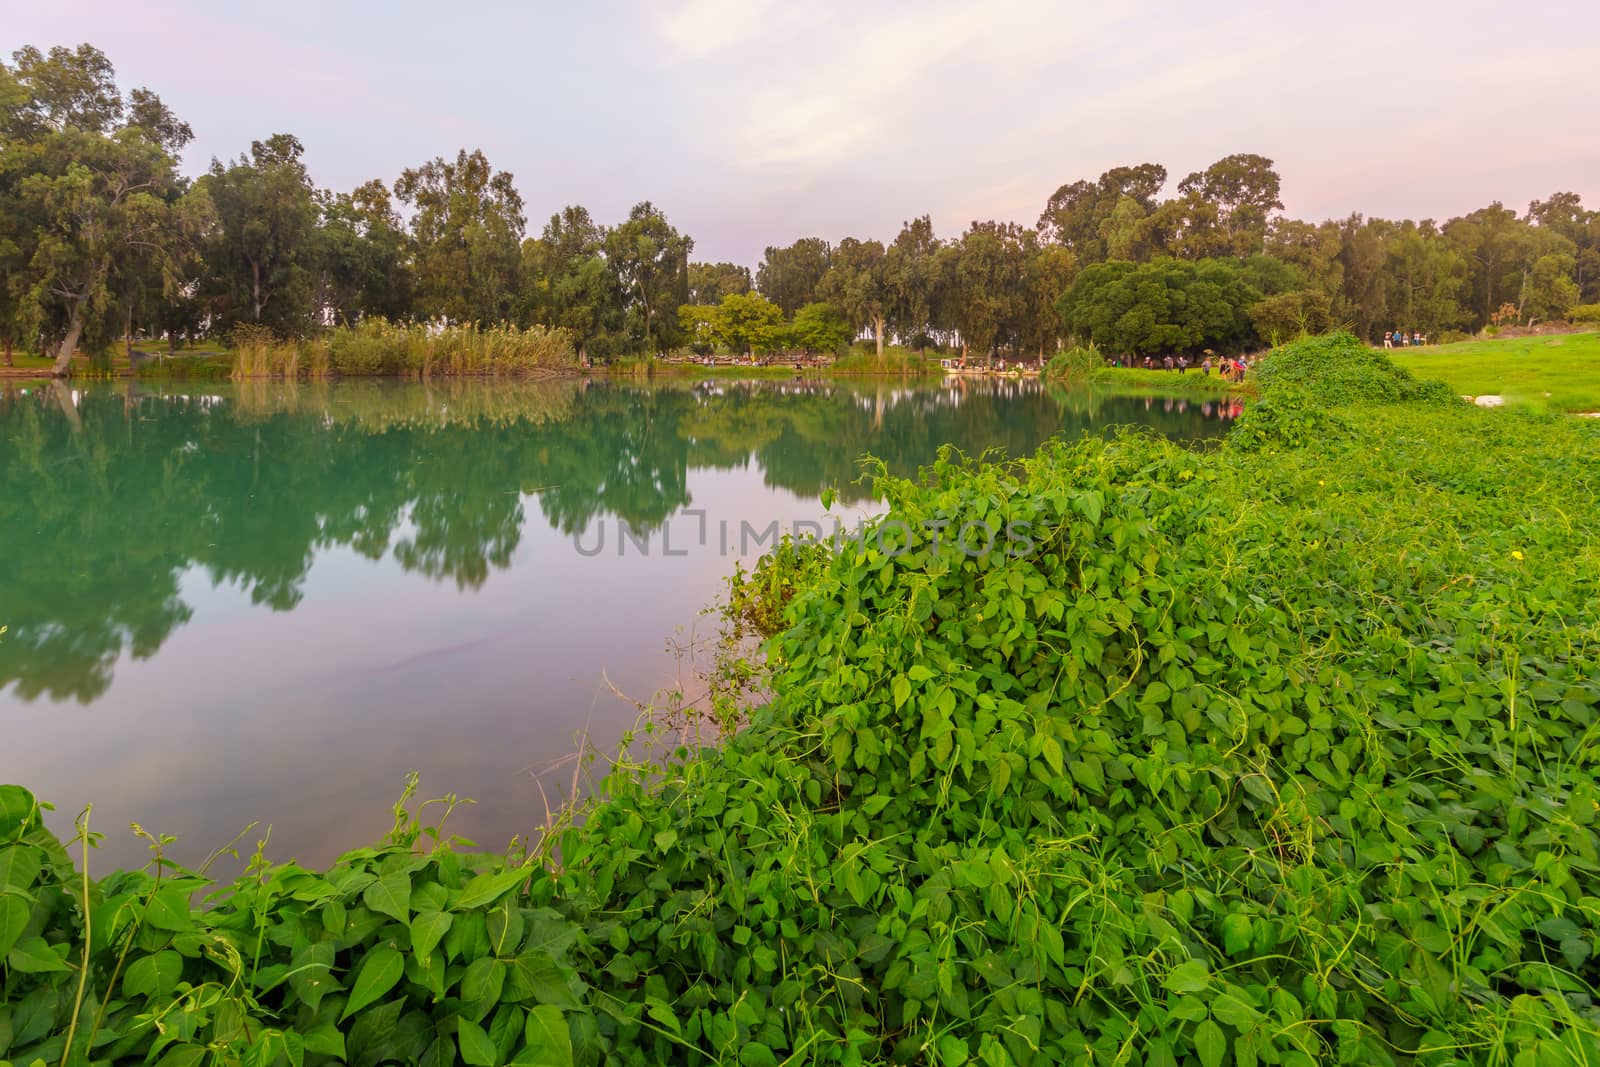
[(90, 190), (988, 296), (652, 260), (363, 256), (1235, 197), (710, 282), (261, 255), (1077, 213), (569, 283), (466, 227), (910, 275), (857, 285), (790, 275)]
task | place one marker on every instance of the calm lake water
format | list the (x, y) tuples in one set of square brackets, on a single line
[(270, 602)]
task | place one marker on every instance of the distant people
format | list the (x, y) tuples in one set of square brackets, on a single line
[(1147, 364), (1183, 364), (1388, 339), (1400, 338), (1206, 367), (1416, 337), (1167, 362)]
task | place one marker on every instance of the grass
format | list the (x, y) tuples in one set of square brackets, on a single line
[(1137, 379), (1557, 373)]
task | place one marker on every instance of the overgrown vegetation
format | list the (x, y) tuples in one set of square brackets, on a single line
[(1284, 753), (376, 348)]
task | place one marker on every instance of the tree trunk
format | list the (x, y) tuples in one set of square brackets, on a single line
[(127, 337), (69, 344), (9, 361), (64, 401), (255, 290), (877, 329)]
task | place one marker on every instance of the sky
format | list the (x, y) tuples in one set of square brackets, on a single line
[(757, 122)]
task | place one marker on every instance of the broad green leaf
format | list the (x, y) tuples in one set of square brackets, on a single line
[(1210, 1043), (666, 839), (549, 1040), (544, 980), (1236, 931), (476, 1047), (169, 910), (325, 1040), (183, 1056), (487, 888), (902, 690), (427, 929), (153, 976), (390, 895), (755, 1054), (1190, 976), (16, 807), (19, 867), (311, 973), (32, 956), (379, 972), (14, 912)]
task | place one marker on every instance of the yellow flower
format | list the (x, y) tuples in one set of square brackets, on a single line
[(1515, 554)]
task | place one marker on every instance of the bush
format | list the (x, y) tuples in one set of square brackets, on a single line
[(1288, 418), (1338, 368), (1587, 314)]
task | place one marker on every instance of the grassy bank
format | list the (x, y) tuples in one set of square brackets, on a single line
[(1558, 373), (1281, 753), (1137, 379)]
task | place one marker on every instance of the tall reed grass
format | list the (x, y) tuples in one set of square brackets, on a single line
[(375, 348)]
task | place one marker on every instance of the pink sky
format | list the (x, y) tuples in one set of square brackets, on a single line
[(753, 122)]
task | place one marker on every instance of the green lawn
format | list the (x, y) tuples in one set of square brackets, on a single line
[(1560, 373)]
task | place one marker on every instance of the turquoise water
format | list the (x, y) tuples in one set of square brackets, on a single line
[(268, 603)]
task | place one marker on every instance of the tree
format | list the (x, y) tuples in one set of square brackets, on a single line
[(1548, 291), (89, 196), (652, 259), (819, 328), (1285, 316), (570, 283), (1076, 214), (363, 256), (710, 282), (987, 301), (467, 229), (1049, 273), (1164, 306), (790, 276), (749, 322), (856, 285), (1242, 191), (262, 254), (909, 277)]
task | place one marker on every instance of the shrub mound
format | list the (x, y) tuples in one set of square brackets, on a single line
[(1262, 756), (1339, 368)]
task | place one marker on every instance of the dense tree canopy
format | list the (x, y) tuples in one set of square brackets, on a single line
[(102, 239)]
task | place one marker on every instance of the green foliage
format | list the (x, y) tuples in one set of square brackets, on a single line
[(412, 952), (374, 347), (1338, 369), (1166, 306), (1078, 363), (1288, 316), (1584, 313), (1268, 755), (819, 327), (1290, 417)]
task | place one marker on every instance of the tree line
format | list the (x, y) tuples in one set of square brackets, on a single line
[(103, 240)]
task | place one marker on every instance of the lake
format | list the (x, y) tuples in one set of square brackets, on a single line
[(268, 602)]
